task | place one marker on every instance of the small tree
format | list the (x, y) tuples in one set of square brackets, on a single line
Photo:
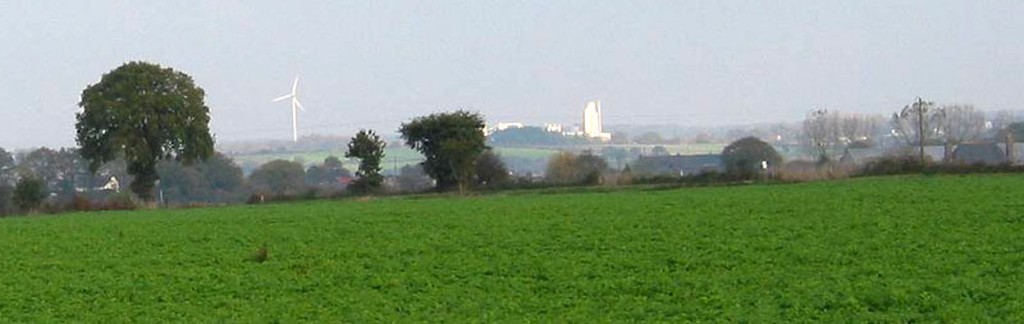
[(450, 142), (144, 113), (61, 171), (918, 123), (561, 168), (569, 168), (589, 168), (961, 123), (29, 193), (490, 170), (279, 178), (821, 132), (216, 180), (369, 149), (411, 178), (327, 175), (748, 156)]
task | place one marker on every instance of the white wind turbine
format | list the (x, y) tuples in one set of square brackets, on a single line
[(295, 108)]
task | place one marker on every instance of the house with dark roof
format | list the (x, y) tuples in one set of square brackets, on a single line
[(678, 165), (980, 153), (861, 156)]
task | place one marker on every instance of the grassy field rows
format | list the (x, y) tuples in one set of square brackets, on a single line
[(943, 248)]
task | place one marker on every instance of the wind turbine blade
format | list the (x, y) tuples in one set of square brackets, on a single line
[(283, 97), (299, 104), (295, 85)]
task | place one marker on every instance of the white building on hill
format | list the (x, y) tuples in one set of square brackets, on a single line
[(593, 122)]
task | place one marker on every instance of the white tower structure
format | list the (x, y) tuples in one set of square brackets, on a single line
[(593, 122), (296, 105)]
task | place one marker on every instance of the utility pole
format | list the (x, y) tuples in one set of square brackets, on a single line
[(919, 108)]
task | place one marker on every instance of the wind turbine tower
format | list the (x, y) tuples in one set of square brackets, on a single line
[(296, 105)]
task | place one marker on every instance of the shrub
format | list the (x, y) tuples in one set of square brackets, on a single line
[(490, 170), (896, 165), (748, 156), (6, 199), (29, 194), (572, 169), (261, 255)]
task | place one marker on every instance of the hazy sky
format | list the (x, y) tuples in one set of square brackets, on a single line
[(375, 64)]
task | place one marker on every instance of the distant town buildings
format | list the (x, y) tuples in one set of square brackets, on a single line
[(592, 127), (593, 121), (504, 126), (488, 130), (553, 128)]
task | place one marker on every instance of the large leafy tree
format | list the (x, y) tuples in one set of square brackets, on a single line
[(369, 149), (450, 142), (144, 113)]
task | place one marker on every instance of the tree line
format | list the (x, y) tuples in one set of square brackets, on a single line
[(827, 133), (146, 127)]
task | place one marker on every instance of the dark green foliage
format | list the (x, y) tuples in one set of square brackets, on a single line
[(6, 199), (144, 113), (590, 168), (216, 180), (61, 171), (279, 178), (743, 158), (369, 149), (411, 178), (897, 165), (450, 142), (532, 136), (490, 170), (327, 176), (29, 194), (261, 255)]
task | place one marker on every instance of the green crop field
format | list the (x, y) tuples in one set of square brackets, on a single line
[(898, 249)]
